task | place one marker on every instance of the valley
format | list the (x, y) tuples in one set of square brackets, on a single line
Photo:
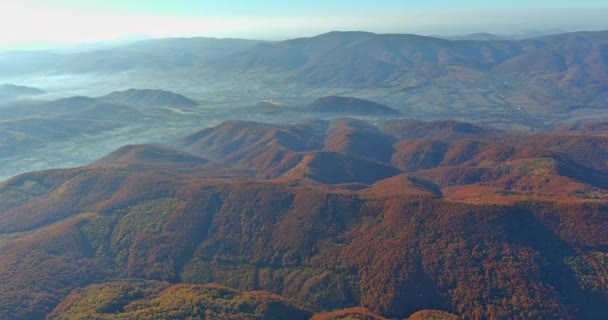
[(526, 85)]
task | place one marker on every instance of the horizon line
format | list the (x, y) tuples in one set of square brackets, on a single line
[(123, 40)]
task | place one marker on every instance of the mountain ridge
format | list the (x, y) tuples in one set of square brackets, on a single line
[(370, 217), (149, 97), (556, 77), (458, 202), (350, 105)]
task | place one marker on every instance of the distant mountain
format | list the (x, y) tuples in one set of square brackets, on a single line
[(385, 58), (11, 90), (480, 36), (69, 104), (529, 34), (546, 77), (153, 54), (536, 81), (377, 57), (147, 97), (354, 59), (349, 105), (484, 36)]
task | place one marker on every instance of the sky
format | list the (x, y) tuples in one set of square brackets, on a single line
[(31, 23)]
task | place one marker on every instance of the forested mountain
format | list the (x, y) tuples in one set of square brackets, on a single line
[(303, 173), (555, 78), (332, 218)]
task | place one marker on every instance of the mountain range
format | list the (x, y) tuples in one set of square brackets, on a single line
[(547, 79), (350, 175), (324, 219), (33, 130)]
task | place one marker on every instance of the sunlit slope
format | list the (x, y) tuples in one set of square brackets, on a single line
[(472, 221)]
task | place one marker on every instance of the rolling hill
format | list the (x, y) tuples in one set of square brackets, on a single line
[(25, 126), (143, 154), (597, 127), (77, 130), (349, 105), (147, 97), (141, 300)]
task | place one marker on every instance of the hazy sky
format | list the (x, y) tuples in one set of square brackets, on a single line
[(27, 22)]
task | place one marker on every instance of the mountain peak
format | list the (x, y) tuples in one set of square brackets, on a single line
[(350, 105), (345, 33)]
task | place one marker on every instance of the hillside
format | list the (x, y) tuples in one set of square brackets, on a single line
[(460, 219), (593, 127), (440, 129), (141, 300), (147, 97), (349, 105), (149, 154)]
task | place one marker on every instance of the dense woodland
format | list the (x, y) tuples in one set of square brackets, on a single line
[(330, 220)]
